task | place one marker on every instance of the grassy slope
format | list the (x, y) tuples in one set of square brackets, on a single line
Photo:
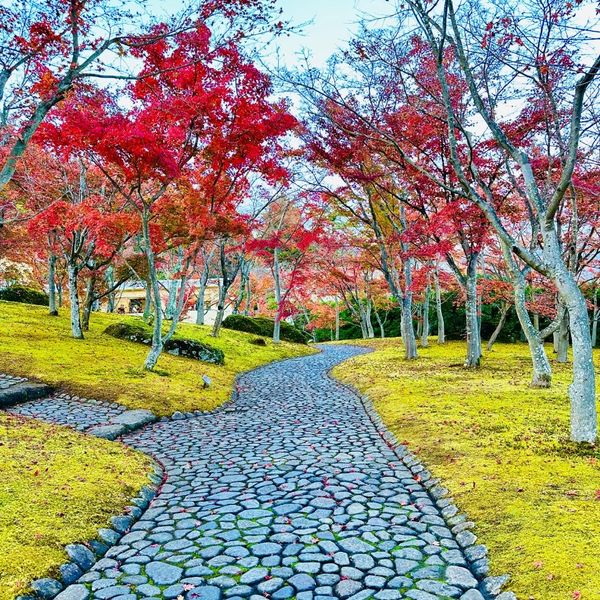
[(36, 345), (502, 449), (49, 496)]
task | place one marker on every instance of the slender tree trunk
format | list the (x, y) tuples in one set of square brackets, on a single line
[(174, 287), (408, 328), (419, 316), (536, 321), (542, 371), (473, 359), (441, 333), (362, 321), (52, 309), (200, 308), (425, 329), (88, 303), (337, 319), (244, 277), (76, 330), (368, 323), (110, 301), (582, 391), (147, 301), (248, 296), (277, 281), (562, 349), (59, 293), (154, 286), (595, 317), (380, 323), (503, 313), (220, 311)]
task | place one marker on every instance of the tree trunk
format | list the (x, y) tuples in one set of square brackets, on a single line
[(582, 391), (542, 371), (441, 333), (147, 302), (408, 328), (595, 317), (425, 327), (536, 321), (368, 323), (52, 309), (473, 359), (503, 313), (110, 301), (562, 348), (277, 281), (200, 309), (337, 319), (380, 323), (203, 282), (154, 287), (87, 303), (220, 311), (76, 330), (248, 297), (59, 293)]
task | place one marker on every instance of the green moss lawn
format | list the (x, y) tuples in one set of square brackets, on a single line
[(57, 487), (503, 450), (36, 345)]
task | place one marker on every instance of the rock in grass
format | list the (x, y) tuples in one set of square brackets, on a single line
[(140, 332), (47, 587), (81, 555)]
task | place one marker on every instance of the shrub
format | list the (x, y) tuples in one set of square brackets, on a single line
[(263, 326), (178, 346), (20, 293)]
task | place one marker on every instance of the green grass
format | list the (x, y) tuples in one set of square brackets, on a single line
[(503, 450), (50, 481), (36, 345)]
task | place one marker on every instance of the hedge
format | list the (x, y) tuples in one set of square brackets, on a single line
[(26, 295), (263, 326)]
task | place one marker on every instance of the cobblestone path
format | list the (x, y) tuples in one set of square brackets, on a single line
[(292, 495)]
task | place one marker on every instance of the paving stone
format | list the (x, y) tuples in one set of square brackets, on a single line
[(163, 573)]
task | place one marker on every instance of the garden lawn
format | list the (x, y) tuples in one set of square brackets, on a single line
[(57, 487), (503, 450), (35, 345)]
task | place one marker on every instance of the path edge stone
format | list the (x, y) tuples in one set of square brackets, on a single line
[(489, 587), (85, 554), (24, 392)]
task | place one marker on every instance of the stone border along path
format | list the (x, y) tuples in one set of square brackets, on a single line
[(298, 493)]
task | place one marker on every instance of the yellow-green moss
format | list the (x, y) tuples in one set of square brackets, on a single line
[(36, 345), (503, 450), (57, 487)]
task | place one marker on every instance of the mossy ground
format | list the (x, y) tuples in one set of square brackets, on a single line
[(503, 450), (57, 487), (36, 345)]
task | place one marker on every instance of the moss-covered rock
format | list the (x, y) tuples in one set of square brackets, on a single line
[(178, 346), (26, 295), (263, 326)]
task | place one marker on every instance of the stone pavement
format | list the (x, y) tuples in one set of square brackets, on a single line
[(70, 411), (295, 494)]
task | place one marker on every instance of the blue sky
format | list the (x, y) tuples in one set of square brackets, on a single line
[(332, 23)]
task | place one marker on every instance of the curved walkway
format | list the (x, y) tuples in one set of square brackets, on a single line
[(295, 494)]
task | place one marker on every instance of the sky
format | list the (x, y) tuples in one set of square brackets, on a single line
[(328, 24)]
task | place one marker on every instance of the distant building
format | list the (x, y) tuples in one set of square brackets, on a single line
[(130, 299)]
